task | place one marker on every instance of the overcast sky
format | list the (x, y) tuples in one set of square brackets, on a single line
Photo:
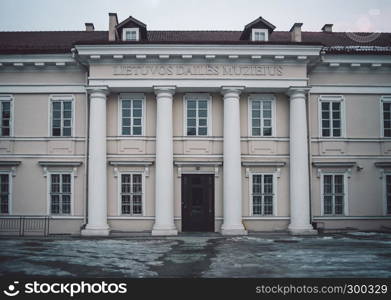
[(346, 15)]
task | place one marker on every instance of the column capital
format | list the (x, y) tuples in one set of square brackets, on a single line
[(164, 89), (98, 89), (231, 89), (297, 90)]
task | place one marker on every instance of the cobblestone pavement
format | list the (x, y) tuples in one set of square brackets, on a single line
[(356, 254)]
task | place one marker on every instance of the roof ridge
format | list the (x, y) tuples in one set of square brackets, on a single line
[(32, 31)]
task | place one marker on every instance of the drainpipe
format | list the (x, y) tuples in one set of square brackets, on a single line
[(87, 134)]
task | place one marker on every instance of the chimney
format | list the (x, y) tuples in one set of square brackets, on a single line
[(90, 26), (113, 21), (296, 32), (327, 28)]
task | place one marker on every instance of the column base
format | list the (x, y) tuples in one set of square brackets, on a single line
[(302, 230), (100, 231), (233, 230)]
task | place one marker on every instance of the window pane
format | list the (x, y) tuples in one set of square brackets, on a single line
[(267, 122), (56, 114), (336, 124), (125, 207), (126, 122), (191, 122), (68, 105), (191, 131), (267, 113), (202, 104), (256, 131), (137, 104), (338, 205), (55, 204), (325, 106), (67, 114), (137, 121), (137, 112), (125, 113), (336, 106), (256, 122), (256, 113), (66, 131), (202, 113), (256, 105), (268, 205), (125, 130), (5, 131), (137, 130), (327, 188), (66, 204), (191, 104), (4, 209), (267, 131), (267, 105), (202, 122), (326, 132), (336, 132), (327, 201), (325, 124), (325, 114), (202, 131), (126, 104), (56, 105), (191, 113), (257, 208), (137, 204)]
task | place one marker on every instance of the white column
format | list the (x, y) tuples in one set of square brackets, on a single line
[(299, 176), (164, 172), (232, 186), (97, 168)]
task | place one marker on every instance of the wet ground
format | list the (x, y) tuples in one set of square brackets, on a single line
[(358, 254)]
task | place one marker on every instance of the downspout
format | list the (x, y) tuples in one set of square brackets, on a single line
[(87, 134), (309, 144)]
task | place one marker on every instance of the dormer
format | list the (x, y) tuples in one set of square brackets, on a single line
[(131, 29), (258, 30)]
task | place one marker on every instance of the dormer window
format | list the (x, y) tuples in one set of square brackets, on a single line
[(130, 34), (260, 35)]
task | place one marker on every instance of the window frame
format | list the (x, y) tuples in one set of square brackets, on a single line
[(132, 96), (10, 191), (254, 31), (198, 96), (119, 193), (49, 186), (251, 195), (384, 183), (332, 98), (383, 99), (7, 98), (345, 196), (54, 98), (131, 29), (261, 97)]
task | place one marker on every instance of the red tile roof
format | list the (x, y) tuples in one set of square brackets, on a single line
[(36, 42)]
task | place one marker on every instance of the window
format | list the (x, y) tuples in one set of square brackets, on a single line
[(262, 194), (388, 194), (331, 116), (5, 115), (132, 114), (333, 194), (62, 116), (197, 115), (131, 194), (261, 112), (130, 34), (386, 115), (60, 193), (259, 35), (5, 193)]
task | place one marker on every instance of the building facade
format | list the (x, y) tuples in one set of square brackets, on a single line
[(168, 131)]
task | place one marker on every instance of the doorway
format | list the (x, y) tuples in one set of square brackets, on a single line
[(198, 202)]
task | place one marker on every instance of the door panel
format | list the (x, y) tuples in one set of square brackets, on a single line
[(197, 202)]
